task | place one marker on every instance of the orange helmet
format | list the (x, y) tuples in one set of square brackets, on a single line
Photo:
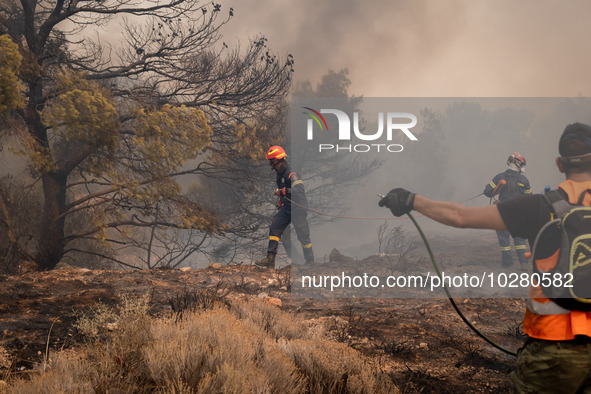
[(276, 152), (517, 159)]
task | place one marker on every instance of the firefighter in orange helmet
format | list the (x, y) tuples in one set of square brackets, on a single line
[(290, 188)]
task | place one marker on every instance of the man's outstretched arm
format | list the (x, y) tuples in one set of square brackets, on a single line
[(401, 201), (457, 215)]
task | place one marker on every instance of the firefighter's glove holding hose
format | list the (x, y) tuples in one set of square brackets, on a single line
[(400, 201)]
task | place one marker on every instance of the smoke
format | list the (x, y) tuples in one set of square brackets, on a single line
[(420, 48), (459, 48), (462, 144)]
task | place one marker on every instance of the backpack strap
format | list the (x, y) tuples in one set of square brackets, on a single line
[(582, 196), (559, 205)]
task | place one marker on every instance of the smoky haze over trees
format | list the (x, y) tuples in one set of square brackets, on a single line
[(109, 132), (462, 143), (330, 178)]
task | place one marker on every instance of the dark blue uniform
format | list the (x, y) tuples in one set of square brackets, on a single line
[(516, 185), (289, 212)]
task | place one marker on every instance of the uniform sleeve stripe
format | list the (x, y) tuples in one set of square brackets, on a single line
[(296, 183), (273, 238)]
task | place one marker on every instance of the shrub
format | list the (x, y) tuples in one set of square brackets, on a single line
[(240, 347), (336, 368)]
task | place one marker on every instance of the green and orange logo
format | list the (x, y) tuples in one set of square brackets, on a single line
[(317, 117)]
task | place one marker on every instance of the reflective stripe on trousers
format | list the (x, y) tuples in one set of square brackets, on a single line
[(545, 308)]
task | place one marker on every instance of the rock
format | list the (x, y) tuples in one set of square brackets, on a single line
[(337, 257), (27, 266), (274, 301), (215, 266), (263, 295), (185, 269)]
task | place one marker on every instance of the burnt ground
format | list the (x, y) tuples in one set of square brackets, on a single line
[(421, 343)]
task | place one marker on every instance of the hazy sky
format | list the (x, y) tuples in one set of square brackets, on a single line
[(429, 48)]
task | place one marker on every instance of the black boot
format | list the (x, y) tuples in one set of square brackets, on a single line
[(309, 255), (267, 262)]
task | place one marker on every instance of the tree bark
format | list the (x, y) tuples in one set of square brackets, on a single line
[(51, 231), (51, 245)]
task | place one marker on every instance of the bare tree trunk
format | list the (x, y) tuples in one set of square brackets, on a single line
[(51, 245), (51, 231), (9, 262)]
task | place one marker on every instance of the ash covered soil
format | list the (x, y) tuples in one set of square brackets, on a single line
[(421, 343)]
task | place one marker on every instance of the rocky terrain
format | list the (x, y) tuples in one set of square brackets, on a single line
[(421, 343)]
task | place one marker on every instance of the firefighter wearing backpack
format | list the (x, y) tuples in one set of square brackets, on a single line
[(506, 185), (290, 187), (557, 355)]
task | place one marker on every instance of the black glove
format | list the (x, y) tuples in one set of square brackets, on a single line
[(400, 201)]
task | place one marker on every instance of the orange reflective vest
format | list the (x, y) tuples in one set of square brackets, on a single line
[(543, 318)]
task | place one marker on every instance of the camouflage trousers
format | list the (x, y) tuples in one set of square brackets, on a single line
[(553, 367)]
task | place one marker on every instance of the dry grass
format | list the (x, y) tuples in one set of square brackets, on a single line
[(335, 368), (213, 351), (68, 373), (241, 348)]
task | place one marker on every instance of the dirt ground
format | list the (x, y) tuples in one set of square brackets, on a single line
[(421, 343)]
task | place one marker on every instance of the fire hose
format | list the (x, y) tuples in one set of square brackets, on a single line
[(433, 262)]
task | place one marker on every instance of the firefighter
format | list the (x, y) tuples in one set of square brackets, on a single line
[(289, 188), (555, 357), (506, 185)]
